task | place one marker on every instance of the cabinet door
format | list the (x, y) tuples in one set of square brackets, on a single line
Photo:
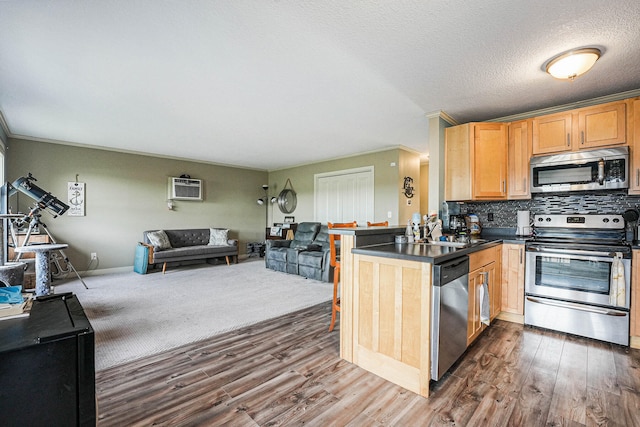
[(551, 134), (495, 289), (634, 174), (457, 160), (513, 278), (474, 326), (635, 295), (519, 153), (489, 159), (602, 125)]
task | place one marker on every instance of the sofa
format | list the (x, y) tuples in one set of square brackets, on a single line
[(307, 255), (179, 246)]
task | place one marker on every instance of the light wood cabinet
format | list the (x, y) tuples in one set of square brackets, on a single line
[(391, 320), (634, 132), (474, 326), (484, 267), (495, 285), (551, 133), (602, 125), (457, 161), (513, 258), (476, 162), (519, 154), (583, 128), (635, 300)]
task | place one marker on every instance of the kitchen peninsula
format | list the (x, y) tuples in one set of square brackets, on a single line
[(386, 302)]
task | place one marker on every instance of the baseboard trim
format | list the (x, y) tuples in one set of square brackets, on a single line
[(511, 317), (104, 271)]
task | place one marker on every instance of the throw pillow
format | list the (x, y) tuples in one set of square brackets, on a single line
[(218, 237), (159, 240)]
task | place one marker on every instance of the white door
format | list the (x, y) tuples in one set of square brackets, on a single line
[(344, 196)]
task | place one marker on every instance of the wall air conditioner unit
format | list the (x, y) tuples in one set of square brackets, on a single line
[(185, 189)]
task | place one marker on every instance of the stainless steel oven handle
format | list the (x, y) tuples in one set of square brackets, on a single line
[(569, 251), (590, 309)]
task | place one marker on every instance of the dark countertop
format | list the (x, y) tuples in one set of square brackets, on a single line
[(421, 252), (436, 254)]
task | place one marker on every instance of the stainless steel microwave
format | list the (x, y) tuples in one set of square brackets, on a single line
[(603, 169)]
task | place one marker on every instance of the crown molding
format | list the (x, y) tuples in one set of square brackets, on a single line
[(442, 115), (565, 107), (4, 125)]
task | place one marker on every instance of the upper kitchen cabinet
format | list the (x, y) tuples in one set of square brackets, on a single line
[(476, 162), (583, 128), (551, 133), (602, 125), (519, 153), (634, 125), (457, 161)]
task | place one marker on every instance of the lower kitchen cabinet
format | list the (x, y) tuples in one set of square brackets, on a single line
[(635, 300), (484, 267), (513, 257)]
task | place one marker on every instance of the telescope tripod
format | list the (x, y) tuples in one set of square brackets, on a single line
[(57, 270)]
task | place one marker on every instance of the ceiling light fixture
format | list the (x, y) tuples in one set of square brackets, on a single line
[(572, 64)]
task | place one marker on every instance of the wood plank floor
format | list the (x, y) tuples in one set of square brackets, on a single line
[(287, 371)]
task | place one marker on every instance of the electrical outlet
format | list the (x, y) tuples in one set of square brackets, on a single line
[(490, 216), (94, 255)]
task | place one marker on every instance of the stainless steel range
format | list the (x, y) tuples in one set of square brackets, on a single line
[(578, 275)]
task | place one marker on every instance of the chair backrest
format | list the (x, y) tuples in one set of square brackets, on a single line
[(378, 224), (304, 235), (335, 237), (322, 238)]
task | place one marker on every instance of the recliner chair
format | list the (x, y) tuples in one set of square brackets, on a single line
[(282, 255), (315, 262)]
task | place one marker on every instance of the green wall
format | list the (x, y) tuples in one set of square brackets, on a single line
[(127, 194), (387, 182)]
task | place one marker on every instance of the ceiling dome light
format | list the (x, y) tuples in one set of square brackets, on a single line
[(572, 64)]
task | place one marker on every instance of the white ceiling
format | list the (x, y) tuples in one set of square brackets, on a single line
[(269, 84)]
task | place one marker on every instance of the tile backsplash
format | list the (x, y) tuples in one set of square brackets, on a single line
[(504, 212)]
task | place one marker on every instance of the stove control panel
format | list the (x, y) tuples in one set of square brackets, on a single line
[(588, 221)]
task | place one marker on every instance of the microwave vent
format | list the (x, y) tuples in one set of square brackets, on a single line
[(185, 189)]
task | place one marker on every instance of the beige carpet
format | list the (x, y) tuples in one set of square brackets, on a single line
[(137, 315)]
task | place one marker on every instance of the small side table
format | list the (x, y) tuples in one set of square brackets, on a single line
[(43, 273)]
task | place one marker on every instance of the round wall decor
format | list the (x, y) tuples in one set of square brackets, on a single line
[(287, 199)]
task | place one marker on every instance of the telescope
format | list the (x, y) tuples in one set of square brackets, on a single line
[(44, 200)]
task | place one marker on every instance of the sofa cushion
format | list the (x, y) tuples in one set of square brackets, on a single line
[(191, 251), (278, 255), (188, 237), (218, 236), (159, 240), (311, 259)]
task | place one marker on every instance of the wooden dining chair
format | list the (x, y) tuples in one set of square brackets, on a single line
[(378, 224), (335, 263)]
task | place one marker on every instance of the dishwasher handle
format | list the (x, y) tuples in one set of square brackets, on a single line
[(450, 271)]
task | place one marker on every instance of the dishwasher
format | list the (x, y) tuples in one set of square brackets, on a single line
[(449, 314)]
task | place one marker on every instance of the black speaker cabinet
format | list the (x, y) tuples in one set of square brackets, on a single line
[(47, 366)]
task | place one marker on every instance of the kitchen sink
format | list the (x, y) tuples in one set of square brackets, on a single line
[(456, 244), (452, 244)]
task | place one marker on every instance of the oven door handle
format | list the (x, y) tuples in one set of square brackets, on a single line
[(570, 251), (590, 309)]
